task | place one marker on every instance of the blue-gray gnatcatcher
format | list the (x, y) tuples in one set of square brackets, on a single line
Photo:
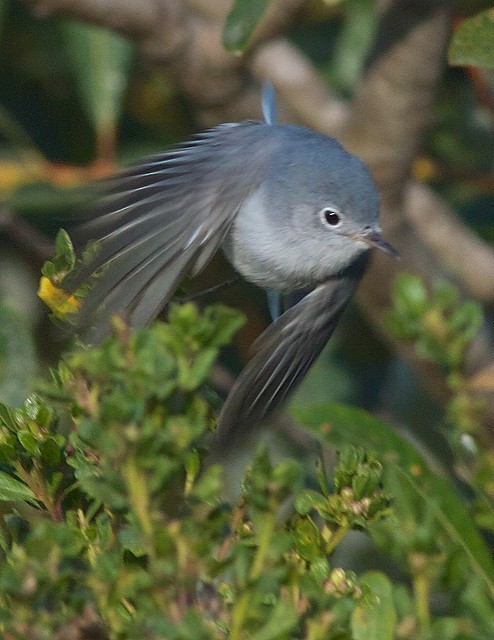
[(290, 207)]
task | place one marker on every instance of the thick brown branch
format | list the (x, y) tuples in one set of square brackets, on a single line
[(394, 103), (468, 257), (391, 111), (389, 115)]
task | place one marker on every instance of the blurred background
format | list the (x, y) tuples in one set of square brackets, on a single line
[(84, 90)]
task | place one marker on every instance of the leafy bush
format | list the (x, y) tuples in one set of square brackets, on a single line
[(116, 514), (115, 523)]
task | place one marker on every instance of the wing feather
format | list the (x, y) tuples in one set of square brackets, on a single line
[(163, 219), (285, 352)]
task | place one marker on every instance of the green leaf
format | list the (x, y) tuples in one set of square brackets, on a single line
[(100, 61), (200, 368), (36, 409), (12, 489), (309, 544), (49, 451), (473, 42), (241, 22), (17, 357), (308, 500), (360, 20), (410, 295), (8, 417), (28, 442), (226, 322), (282, 620), (446, 628), (477, 599), (64, 260), (375, 620), (341, 425), (207, 488)]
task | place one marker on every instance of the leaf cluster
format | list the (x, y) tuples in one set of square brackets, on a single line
[(113, 521), (441, 326)]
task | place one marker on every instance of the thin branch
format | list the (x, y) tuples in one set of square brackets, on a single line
[(25, 235), (135, 19)]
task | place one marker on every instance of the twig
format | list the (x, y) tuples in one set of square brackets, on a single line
[(25, 235)]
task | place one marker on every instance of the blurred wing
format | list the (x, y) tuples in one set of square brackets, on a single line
[(285, 352), (163, 219)]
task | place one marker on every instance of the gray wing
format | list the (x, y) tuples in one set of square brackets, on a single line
[(284, 353), (163, 219)]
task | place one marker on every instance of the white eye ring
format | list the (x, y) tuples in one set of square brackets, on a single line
[(330, 217)]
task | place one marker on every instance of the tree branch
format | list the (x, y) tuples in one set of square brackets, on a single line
[(300, 89), (394, 103), (389, 115), (460, 250), (137, 20)]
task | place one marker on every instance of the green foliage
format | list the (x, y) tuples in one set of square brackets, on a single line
[(473, 41), (115, 515), (357, 501), (62, 304), (114, 519), (242, 20), (424, 501), (441, 326), (430, 530), (100, 61), (377, 621), (63, 261), (352, 46)]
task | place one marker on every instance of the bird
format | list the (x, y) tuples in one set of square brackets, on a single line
[(292, 210)]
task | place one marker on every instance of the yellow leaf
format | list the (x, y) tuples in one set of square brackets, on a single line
[(60, 302)]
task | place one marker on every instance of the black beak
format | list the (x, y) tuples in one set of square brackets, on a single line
[(375, 239)]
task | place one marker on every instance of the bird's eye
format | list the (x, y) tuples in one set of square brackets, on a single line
[(331, 217)]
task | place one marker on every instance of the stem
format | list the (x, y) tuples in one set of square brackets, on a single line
[(25, 235), (265, 536), (138, 495), (209, 290), (420, 582), (238, 617), (336, 538), (35, 481), (105, 143), (240, 609)]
